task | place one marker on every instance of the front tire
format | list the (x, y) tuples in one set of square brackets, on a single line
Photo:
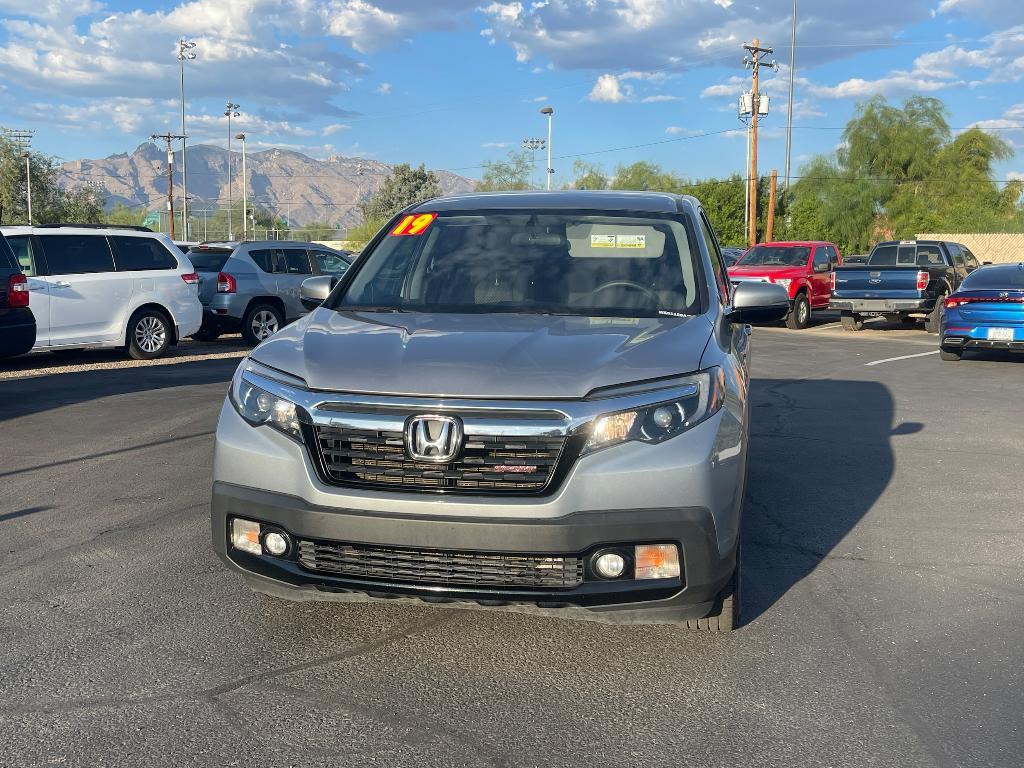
[(851, 321), (261, 321), (725, 616), (149, 334), (800, 315)]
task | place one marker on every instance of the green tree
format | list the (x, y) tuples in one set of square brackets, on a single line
[(51, 202), (405, 186), (645, 177), (899, 172), (588, 176), (510, 174), (124, 215)]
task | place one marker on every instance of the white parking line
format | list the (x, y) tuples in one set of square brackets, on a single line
[(902, 357)]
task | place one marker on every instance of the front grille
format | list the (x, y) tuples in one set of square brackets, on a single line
[(377, 459), (441, 567)]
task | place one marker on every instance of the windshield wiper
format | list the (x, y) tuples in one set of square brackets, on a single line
[(370, 308)]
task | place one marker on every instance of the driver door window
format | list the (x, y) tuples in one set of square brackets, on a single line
[(717, 263)]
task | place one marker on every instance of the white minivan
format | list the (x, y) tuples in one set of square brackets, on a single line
[(102, 287)]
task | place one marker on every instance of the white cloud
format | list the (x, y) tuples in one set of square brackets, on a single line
[(649, 35), (496, 144), (1015, 176), (333, 128), (676, 130), (659, 98), (609, 88), (384, 89)]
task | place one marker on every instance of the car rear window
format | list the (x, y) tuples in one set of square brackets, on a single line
[(77, 254), (776, 256), (208, 261), (995, 279), (585, 263), (906, 255), (7, 257), (141, 254)]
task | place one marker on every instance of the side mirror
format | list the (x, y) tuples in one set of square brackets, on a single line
[(315, 290), (759, 303)]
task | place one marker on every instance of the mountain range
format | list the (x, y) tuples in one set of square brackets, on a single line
[(298, 188)]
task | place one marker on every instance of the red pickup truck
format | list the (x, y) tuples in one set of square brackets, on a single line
[(802, 268)]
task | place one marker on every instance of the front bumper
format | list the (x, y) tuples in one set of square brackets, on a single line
[(704, 571), (882, 306)]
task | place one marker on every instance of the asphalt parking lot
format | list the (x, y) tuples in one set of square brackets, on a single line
[(883, 588)]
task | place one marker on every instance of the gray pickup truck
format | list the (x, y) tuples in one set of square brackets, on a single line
[(902, 281)]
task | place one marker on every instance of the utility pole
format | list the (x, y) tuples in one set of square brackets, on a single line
[(789, 106), (169, 137), (772, 189), (753, 60)]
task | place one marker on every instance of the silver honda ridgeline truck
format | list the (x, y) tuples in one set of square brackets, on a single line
[(534, 401)]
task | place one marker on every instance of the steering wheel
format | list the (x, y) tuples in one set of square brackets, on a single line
[(653, 299)]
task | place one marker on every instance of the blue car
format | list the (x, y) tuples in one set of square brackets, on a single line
[(986, 312)]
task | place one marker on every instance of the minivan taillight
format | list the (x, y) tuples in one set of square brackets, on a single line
[(922, 280), (192, 278), (226, 283), (17, 291)]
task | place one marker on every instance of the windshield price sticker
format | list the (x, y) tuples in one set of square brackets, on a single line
[(632, 241), (414, 224), (602, 241)]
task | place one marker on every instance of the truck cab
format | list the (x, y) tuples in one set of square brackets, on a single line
[(803, 268)]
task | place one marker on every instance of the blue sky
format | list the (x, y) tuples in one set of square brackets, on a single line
[(453, 83)]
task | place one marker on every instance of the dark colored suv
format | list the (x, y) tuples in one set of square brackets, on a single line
[(17, 324)]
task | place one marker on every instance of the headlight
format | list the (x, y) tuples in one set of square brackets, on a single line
[(258, 406), (783, 281), (664, 420)]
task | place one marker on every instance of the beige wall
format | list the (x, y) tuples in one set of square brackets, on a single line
[(995, 248)]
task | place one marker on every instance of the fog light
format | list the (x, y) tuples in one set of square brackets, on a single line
[(245, 535), (276, 543), (656, 561), (609, 565)]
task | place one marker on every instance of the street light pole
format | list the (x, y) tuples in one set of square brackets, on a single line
[(549, 112), (792, 77), (245, 199), (184, 52), (28, 184), (229, 112)]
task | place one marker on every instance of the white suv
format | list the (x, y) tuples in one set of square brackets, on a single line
[(107, 287)]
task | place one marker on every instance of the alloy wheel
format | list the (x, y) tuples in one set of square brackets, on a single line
[(150, 334), (264, 324)]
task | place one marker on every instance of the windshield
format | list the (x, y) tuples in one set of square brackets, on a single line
[(776, 256), (561, 263)]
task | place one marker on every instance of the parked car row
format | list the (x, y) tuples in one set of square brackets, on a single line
[(95, 287)]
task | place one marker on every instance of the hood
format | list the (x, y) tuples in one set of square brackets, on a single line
[(783, 272), (501, 356)]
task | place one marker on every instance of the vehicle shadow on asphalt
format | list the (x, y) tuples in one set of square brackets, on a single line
[(821, 455), (24, 397)]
